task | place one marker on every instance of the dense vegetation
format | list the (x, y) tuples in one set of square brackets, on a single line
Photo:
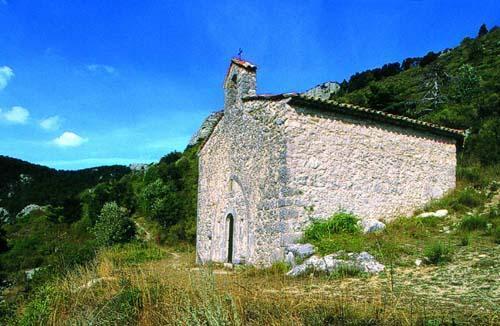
[(458, 88), (23, 183)]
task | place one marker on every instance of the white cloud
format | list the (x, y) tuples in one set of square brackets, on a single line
[(17, 114), (101, 68), (69, 139), (51, 123), (6, 73)]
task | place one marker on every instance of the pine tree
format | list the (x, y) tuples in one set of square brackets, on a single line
[(483, 30)]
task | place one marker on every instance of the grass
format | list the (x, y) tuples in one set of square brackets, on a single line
[(173, 291), (474, 222), (339, 223), (437, 253)]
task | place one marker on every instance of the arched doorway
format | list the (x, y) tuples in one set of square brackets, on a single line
[(230, 237)]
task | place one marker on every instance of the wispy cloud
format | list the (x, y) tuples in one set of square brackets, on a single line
[(69, 139), (101, 68), (17, 114), (6, 73), (51, 123)]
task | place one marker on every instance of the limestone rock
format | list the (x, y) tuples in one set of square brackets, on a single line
[(206, 127), (441, 213), (371, 225), (31, 272), (139, 167), (4, 215), (290, 258), (323, 91), (364, 262), (367, 263), (438, 213), (300, 250), (28, 210)]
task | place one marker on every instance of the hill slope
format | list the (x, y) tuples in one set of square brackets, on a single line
[(457, 87), (23, 183)]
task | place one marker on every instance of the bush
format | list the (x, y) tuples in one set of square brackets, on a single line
[(113, 226), (459, 200), (437, 253), (338, 223), (496, 234), (473, 222)]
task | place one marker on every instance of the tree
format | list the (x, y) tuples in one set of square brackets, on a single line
[(429, 58), (466, 84), (483, 30), (159, 201), (113, 226)]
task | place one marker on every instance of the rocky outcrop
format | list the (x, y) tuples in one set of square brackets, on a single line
[(206, 127), (28, 210), (323, 91), (362, 262), (139, 166), (300, 250), (4, 215)]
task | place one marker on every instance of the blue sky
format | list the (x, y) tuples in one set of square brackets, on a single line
[(87, 83)]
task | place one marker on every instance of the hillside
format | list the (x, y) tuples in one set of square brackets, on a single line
[(23, 183), (457, 87)]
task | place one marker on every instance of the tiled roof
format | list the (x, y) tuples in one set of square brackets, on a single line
[(244, 64), (355, 110)]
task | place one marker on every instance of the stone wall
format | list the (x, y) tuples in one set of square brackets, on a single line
[(372, 169), (242, 168), (275, 167)]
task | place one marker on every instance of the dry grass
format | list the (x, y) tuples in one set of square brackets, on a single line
[(170, 290)]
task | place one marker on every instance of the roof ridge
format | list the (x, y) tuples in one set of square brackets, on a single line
[(389, 117), (384, 114)]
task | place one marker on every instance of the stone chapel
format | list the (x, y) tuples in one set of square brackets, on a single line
[(270, 164)]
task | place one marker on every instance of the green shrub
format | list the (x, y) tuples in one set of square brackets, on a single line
[(470, 197), (474, 222), (465, 240), (496, 234), (459, 200), (37, 311), (135, 253), (113, 226), (437, 253), (339, 223), (343, 241), (345, 271)]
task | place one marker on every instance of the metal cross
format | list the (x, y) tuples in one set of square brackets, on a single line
[(240, 51)]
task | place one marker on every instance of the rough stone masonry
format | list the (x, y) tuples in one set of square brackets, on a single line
[(271, 164)]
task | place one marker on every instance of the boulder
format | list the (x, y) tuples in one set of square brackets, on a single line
[(367, 263), (371, 225), (4, 215), (364, 262), (290, 259), (300, 250), (31, 272), (441, 213), (438, 213), (28, 210)]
